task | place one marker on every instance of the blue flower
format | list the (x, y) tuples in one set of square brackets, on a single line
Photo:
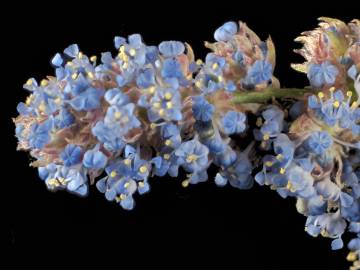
[(284, 149), (202, 109), (171, 48), (271, 127), (239, 174), (192, 156), (60, 177), (234, 122), (87, 100), (71, 155), (72, 51), (225, 32), (115, 96), (319, 142), (122, 119), (214, 63), (133, 52), (300, 183), (170, 133), (146, 78), (171, 69), (119, 189), (110, 137), (259, 72), (322, 74), (63, 119), (165, 104), (94, 159), (40, 134), (57, 60)]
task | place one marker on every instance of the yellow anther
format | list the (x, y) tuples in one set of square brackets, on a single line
[(74, 76), (141, 184), (93, 58), (320, 95), (126, 185), (113, 174), (289, 186), (122, 49), (185, 183), (168, 142), (80, 55), (143, 169), (266, 137), (220, 78), (336, 104), (215, 66), (151, 89), (190, 158), (282, 170), (199, 62), (166, 156), (58, 100), (90, 75), (169, 105), (127, 162), (122, 196), (29, 82), (70, 63), (156, 105), (332, 89), (349, 94), (125, 65), (352, 256), (117, 115), (268, 163), (125, 119), (198, 84), (279, 157), (161, 112), (42, 106), (324, 233), (44, 82), (61, 180), (152, 125), (53, 182), (29, 99), (354, 105), (263, 144), (259, 121), (132, 52), (168, 95)]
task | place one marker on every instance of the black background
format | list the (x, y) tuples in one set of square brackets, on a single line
[(171, 227)]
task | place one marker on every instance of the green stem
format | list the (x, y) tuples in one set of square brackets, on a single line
[(269, 93)]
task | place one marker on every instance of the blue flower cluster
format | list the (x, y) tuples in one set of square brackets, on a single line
[(156, 110)]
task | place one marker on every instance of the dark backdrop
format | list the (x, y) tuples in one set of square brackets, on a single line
[(171, 227)]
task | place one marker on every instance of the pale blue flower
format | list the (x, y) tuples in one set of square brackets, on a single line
[(234, 122), (171, 48), (202, 109), (226, 31), (322, 74), (94, 159), (71, 155)]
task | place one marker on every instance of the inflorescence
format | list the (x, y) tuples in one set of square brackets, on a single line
[(154, 110)]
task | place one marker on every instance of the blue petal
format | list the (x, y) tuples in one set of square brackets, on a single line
[(225, 32), (171, 48), (57, 60), (72, 50)]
